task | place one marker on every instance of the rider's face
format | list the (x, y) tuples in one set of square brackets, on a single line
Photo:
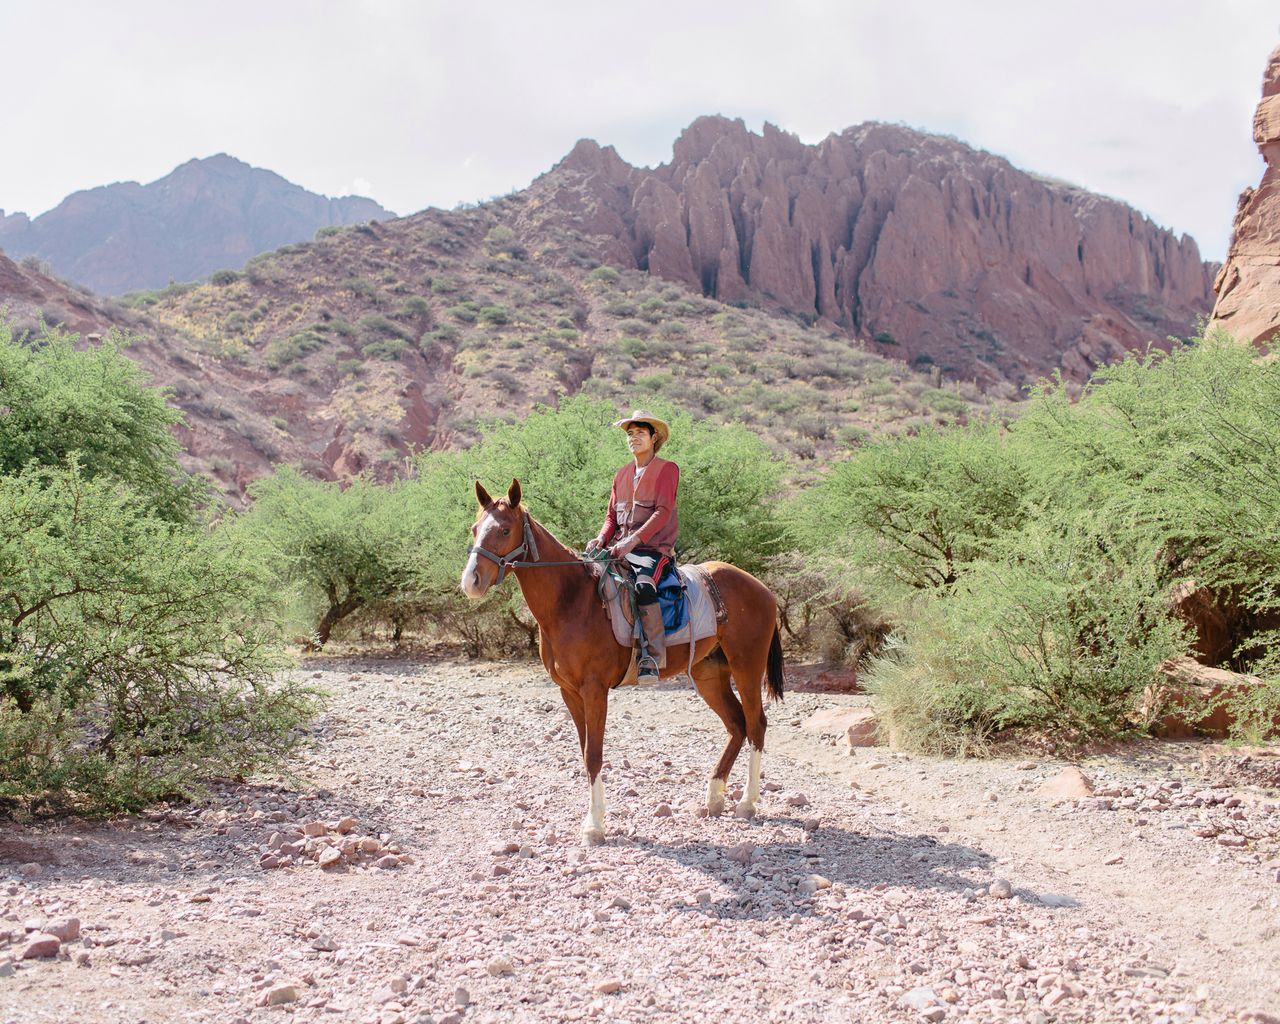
[(639, 441)]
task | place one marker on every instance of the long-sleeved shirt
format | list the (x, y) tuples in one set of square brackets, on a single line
[(646, 507)]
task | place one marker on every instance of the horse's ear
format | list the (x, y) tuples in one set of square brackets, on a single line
[(513, 494), (482, 495)]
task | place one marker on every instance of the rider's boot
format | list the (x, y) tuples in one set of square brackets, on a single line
[(653, 654)]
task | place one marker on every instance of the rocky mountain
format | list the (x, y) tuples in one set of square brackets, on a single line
[(204, 216), (1248, 286), (881, 281), (933, 251)]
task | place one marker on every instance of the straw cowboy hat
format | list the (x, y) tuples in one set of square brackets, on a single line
[(660, 429)]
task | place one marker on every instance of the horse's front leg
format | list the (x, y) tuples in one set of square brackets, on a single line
[(595, 703)]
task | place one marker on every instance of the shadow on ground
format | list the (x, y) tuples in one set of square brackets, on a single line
[(765, 885)]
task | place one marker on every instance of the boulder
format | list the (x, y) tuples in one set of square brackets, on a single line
[(859, 726), (1191, 699)]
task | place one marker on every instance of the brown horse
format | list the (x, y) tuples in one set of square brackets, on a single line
[(583, 658)]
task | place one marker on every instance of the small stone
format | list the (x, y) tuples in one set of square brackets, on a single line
[(324, 943), (461, 997), (330, 857), (621, 903), (30, 870), (920, 998), (1000, 889), (314, 828), (66, 928), (39, 946), (346, 825), (608, 986), (797, 800), (498, 966), (279, 994), (1069, 784), (933, 1013), (811, 824), (662, 811), (388, 863)]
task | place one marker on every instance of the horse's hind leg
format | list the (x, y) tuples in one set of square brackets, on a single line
[(711, 676)]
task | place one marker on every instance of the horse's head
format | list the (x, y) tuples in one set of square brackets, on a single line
[(498, 535)]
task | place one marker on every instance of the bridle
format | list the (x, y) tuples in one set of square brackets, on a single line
[(512, 559)]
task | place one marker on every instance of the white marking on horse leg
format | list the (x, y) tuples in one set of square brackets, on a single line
[(747, 805), (715, 798), (593, 823)]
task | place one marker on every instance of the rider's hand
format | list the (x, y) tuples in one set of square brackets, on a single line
[(593, 545), (624, 547)]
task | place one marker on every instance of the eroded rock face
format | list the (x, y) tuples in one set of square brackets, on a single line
[(1248, 286), (945, 254)]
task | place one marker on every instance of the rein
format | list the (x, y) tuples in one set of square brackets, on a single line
[(513, 559)]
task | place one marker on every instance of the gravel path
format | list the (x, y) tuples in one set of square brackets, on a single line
[(444, 799)]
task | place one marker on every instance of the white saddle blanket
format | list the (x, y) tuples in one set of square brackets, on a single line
[(699, 623)]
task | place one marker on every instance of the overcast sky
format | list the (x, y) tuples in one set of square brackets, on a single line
[(428, 104)]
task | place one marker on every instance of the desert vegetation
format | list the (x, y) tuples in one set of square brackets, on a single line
[(138, 651), (1034, 571)]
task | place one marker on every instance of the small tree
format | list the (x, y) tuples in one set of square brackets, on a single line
[(340, 548)]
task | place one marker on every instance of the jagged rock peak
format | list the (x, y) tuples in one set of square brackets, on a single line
[(950, 255), (1247, 288)]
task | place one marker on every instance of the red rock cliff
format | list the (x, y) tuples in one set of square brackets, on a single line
[(1248, 286), (945, 254)]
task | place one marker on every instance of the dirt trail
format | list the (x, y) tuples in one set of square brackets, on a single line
[(448, 798)]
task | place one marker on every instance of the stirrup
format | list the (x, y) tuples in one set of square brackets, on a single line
[(647, 670)]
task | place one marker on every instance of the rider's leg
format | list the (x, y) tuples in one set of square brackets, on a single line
[(654, 656)]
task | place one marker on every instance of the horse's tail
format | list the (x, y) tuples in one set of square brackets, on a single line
[(774, 674)]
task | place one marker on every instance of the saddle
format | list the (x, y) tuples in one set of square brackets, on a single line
[(703, 607)]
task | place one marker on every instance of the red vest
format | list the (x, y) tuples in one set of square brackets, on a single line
[(648, 509)]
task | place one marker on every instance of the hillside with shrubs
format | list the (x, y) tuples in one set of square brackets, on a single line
[(374, 342)]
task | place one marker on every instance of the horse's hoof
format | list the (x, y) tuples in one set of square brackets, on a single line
[(592, 835), (744, 810), (715, 808)]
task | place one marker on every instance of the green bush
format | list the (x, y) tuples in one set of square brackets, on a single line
[(388, 349), (138, 651), (222, 278), (290, 350), (56, 401)]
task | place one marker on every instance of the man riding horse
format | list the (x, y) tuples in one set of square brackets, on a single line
[(642, 516)]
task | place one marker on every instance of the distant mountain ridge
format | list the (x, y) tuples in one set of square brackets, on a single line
[(208, 214)]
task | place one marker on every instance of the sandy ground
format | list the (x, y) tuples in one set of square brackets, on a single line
[(445, 798)]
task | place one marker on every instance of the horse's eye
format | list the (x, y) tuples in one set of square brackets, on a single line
[(506, 533)]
